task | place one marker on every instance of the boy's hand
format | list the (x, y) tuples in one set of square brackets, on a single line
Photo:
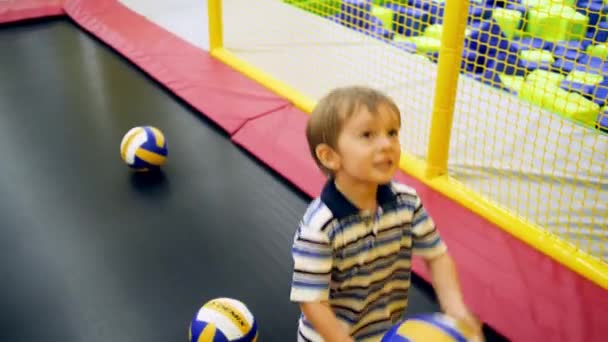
[(447, 287), (325, 322), (474, 324)]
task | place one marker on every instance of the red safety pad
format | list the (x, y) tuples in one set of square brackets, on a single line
[(17, 10), (276, 139), (522, 293), (222, 94)]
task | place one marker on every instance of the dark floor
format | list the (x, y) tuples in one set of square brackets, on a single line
[(88, 252)]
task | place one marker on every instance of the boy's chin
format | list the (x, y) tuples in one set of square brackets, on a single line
[(384, 178)]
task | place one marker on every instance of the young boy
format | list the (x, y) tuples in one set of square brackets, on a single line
[(352, 251)]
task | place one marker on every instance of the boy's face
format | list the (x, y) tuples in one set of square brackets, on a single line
[(368, 146)]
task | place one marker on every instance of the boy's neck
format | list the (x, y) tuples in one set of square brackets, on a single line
[(362, 195)]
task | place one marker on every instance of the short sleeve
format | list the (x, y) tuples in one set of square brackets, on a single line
[(426, 239), (312, 256)]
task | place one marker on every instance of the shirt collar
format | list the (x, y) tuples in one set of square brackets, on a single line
[(341, 207)]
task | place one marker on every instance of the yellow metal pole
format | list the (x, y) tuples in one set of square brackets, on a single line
[(445, 94), (280, 88), (216, 36), (450, 57)]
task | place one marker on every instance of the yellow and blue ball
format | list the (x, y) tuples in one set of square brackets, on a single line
[(144, 148), (434, 327), (223, 320)]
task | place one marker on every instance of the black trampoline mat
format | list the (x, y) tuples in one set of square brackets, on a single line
[(91, 252)]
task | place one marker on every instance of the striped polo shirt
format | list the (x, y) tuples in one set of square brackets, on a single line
[(360, 262)]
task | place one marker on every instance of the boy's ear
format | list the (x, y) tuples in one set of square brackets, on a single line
[(328, 157)]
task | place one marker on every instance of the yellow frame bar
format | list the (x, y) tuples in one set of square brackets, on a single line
[(547, 243), (280, 88), (448, 70), (537, 238), (216, 32), (216, 49), (434, 172)]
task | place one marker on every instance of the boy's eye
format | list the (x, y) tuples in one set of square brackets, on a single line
[(366, 134), (393, 132)]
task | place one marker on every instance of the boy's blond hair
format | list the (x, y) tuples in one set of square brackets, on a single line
[(327, 119)]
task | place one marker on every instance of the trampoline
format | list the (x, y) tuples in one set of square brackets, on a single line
[(91, 251), (95, 252)]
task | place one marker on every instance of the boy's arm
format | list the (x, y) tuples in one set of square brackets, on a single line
[(324, 321), (312, 254), (447, 286), (428, 243)]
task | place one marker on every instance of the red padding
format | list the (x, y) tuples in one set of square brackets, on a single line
[(522, 293), (222, 94), (283, 149), (17, 10)]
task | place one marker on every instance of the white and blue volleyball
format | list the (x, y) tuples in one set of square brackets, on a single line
[(434, 327), (144, 148), (223, 320)]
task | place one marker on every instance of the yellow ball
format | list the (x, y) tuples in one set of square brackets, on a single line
[(434, 327)]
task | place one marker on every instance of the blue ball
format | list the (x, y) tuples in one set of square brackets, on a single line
[(205, 332), (144, 148)]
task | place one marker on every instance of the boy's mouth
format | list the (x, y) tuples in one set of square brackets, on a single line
[(384, 164)]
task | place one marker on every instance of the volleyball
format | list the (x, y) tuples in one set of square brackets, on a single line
[(434, 327), (223, 320), (144, 148)]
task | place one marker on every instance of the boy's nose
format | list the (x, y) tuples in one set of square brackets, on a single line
[(385, 142)]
